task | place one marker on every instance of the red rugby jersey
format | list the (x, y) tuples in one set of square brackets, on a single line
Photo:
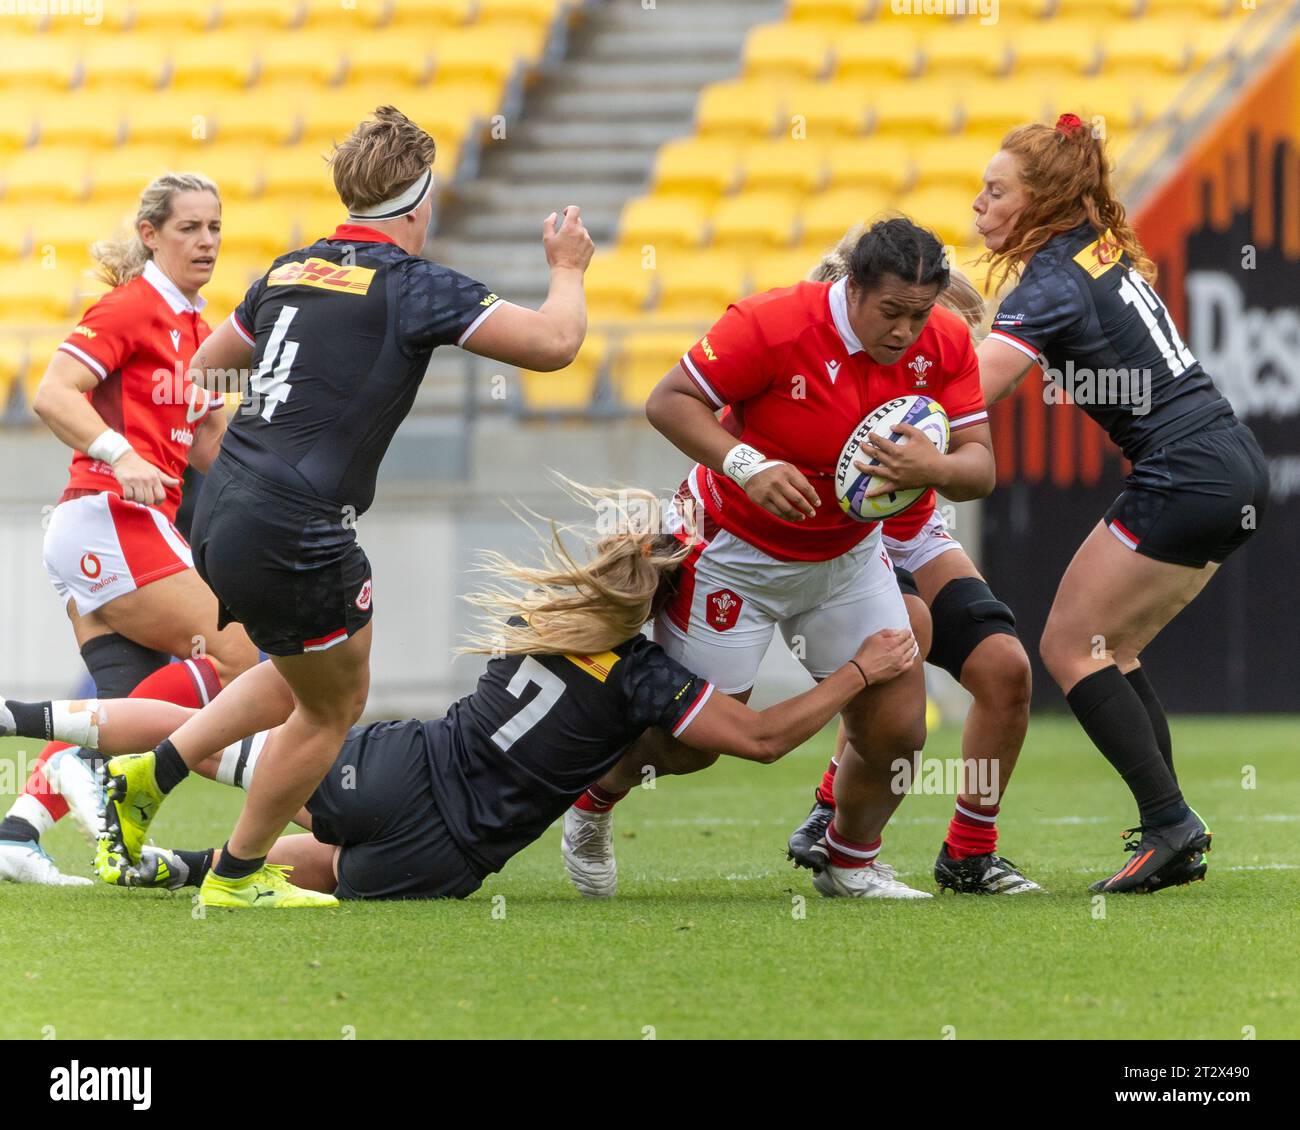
[(138, 340), (799, 381)]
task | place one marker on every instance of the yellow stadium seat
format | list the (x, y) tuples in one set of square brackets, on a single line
[(1158, 94), (238, 117), (1213, 8), (877, 162), (154, 122), (268, 228), (1101, 101), (641, 360), (945, 211), (953, 50), (421, 13), (45, 61), (45, 172), (447, 110), (1029, 9), (219, 58), (823, 111), (318, 217), (41, 348), (540, 12), (706, 166), (304, 56), (167, 16), (1153, 45), (755, 220), (828, 215), (789, 166), (389, 55), (571, 389), (70, 231), (82, 117), (878, 50), (785, 50), (116, 61), (694, 281), (996, 107), (1052, 47), (785, 268), (32, 293), (486, 52), (124, 172), (955, 162), (738, 108), (914, 107), (15, 232), (618, 285), (236, 169), (299, 171), (358, 15), (13, 362), (18, 124), (673, 221), (1099, 9), (259, 16), (829, 11)]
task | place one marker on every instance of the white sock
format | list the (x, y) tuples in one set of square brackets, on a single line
[(27, 807), (8, 727), (77, 727), (239, 759)]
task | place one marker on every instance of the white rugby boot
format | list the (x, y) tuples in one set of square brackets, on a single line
[(588, 848), (875, 881), (71, 776), (24, 861)]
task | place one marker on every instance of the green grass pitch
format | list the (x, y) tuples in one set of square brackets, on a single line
[(713, 934)]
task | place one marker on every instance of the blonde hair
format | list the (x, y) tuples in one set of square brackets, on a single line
[(959, 296), (119, 260), (1067, 175), (580, 603), (380, 158)]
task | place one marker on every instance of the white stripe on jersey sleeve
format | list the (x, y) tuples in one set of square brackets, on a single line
[(689, 716), (966, 421), (483, 317), (1016, 343), (86, 359), (241, 331), (696, 376)]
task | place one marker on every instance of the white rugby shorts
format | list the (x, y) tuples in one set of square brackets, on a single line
[(929, 542)]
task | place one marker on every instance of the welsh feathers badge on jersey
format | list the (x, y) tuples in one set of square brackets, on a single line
[(722, 609)]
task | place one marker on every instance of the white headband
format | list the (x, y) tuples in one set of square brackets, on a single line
[(402, 204)]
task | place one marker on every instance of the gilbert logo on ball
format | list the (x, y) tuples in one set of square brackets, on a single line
[(853, 484)]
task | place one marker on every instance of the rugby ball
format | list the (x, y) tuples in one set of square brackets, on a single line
[(852, 484)]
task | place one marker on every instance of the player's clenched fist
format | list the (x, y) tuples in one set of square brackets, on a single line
[(566, 239), (887, 654), (141, 480), (784, 491)]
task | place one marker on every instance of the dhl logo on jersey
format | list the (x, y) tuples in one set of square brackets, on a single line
[(598, 666), (1100, 255), (324, 274)]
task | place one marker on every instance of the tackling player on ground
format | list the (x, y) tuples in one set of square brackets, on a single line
[(959, 623), (1083, 305), (429, 809)]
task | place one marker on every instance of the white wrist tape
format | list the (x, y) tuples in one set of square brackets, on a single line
[(109, 447), (743, 462)]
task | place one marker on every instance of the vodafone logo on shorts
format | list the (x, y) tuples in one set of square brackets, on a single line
[(90, 565), (363, 597), (722, 609)]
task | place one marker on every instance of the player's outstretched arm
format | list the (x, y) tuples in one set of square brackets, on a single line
[(548, 338), (727, 726), (1002, 368)]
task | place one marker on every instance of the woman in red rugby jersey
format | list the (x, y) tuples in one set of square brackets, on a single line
[(800, 367), (118, 393)]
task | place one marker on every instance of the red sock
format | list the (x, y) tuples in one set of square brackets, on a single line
[(38, 787), (596, 799), (191, 682), (973, 829), (846, 853), (826, 790)]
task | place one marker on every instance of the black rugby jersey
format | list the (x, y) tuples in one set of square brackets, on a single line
[(1106, 339), (509, 759), (342, 331)]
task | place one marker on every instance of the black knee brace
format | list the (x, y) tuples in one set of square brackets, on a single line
[(906, 582), (964, 613), (118, 664)]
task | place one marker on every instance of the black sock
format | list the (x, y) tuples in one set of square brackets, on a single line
[(92, 757), (1137, 679), (33, 719), (1113, 716), (119, 665), (232, 867), (16, 828), (199, 863), (168, 769)]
